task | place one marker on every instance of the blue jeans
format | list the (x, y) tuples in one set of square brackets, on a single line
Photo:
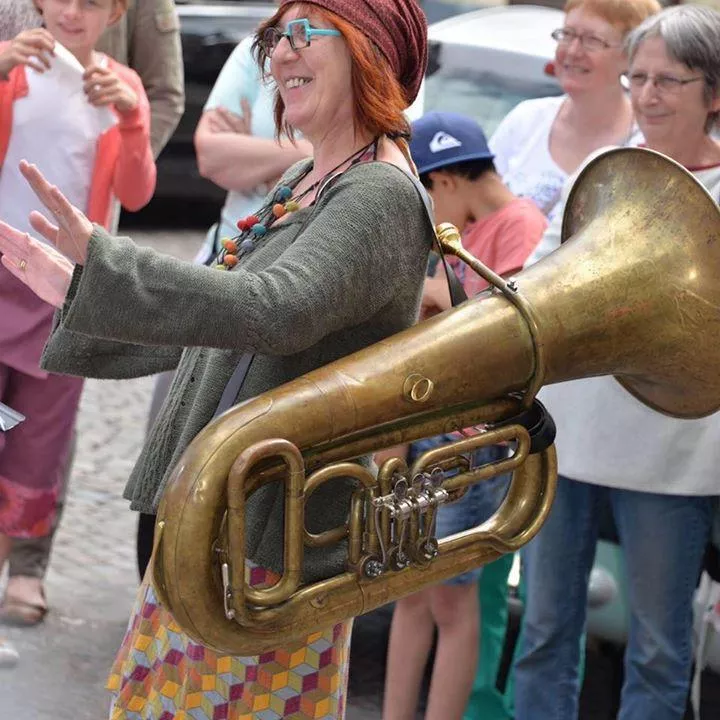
[(479, 503), (663, 539)]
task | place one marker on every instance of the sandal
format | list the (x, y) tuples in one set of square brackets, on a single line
[(8, 654)]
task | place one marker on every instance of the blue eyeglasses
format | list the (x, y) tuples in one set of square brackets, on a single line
[(298, 32)]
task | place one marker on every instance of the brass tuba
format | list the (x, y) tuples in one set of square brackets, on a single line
[(633, 292)]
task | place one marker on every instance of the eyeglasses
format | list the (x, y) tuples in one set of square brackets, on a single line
[(298, 32), (591, 43), (662, 83)]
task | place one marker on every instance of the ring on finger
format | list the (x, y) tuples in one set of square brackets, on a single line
[(22, 265)]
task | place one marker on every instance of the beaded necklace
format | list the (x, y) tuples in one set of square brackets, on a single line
[(253, 228)]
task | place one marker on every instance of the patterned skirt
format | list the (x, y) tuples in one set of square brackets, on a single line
[(161, 674)]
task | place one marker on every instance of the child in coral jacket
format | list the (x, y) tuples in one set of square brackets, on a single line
[(84, 120)]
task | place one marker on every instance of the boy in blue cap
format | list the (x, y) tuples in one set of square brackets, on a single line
[(456, 166)]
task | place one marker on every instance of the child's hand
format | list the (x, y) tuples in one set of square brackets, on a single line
[(104, 87), (33, 48)]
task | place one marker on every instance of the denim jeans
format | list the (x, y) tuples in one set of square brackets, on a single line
[(663, 539)]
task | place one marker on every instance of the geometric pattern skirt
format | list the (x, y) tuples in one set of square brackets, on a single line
[(161, 674)]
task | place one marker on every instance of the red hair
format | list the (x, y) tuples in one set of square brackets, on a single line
[(379, 97), (624, 14)]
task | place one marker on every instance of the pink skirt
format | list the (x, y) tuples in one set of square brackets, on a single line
[(34, 455)]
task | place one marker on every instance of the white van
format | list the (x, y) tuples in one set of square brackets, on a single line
[(485, 62)]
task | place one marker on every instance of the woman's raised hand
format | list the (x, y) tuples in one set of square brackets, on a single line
[(72, 233), (42, 268)]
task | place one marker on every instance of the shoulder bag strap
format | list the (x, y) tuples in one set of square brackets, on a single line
[(457, 292)]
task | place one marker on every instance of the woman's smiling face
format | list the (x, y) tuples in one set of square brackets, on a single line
[(581, 70), (671, 115), (315, 82)]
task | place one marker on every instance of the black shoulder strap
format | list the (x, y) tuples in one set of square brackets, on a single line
[(457, 292)]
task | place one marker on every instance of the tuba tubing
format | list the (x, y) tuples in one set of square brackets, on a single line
[(632, 293)]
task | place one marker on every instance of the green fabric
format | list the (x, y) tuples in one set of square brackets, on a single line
[(486, 701), (332, 279)]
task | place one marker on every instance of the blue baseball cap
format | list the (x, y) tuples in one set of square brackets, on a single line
[(445, 138)]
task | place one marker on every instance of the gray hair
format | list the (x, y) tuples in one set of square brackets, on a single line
[(691, 34)]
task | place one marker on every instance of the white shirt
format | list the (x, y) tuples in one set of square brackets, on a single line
[(605, 436), (521, 145), (55, 127)]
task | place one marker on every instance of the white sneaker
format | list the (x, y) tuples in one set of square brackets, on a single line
[(8, 654)]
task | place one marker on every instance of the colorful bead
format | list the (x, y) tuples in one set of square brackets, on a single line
[(284, 193), (251, 220), (242, 225), (230, 260), (230, 245), (259, 229), (292, 206), (247, 245), (278, 210), (220, 266)]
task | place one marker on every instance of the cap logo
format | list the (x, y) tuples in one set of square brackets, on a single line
[(443, 141)]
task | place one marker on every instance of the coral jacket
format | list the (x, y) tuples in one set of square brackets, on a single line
[(124, 165)]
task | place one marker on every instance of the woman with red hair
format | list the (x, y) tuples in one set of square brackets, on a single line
[(542, 142), (333, 261)]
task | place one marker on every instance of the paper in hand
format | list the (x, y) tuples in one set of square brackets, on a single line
[(9, 418), (66, 70)]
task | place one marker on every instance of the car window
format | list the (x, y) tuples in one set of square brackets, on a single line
[(484, 93)]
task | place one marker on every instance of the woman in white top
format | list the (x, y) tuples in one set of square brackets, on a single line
[(541, 142), (659, 474)]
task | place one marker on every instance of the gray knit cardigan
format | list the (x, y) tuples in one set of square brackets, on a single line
[(330, 280)]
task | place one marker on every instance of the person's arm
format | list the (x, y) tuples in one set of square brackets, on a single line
[(72, 353), (135, 172), (333, 276), (518, 128), (155, 54), (32, 48), (240, 161)]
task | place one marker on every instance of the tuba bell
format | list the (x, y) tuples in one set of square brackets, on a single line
[(632, 292)]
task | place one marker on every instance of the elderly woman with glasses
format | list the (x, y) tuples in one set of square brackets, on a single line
[(332, 261), (658, 474), (541, 142)]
